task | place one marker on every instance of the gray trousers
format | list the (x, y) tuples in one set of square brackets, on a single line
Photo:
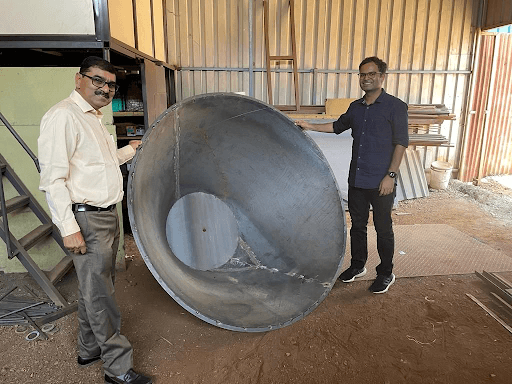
[(99, 318)]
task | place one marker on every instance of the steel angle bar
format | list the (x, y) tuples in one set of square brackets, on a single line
[(57, 314), (503, 289), (496, 317), (503, 283), (507, 305)]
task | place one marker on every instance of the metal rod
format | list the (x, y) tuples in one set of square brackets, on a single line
[(5, 222), (20, 140), (21, 309), (7, 294)]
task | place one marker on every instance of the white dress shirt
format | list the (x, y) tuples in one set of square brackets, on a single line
[(79, 161)]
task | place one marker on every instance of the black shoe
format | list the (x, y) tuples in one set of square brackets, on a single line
[(382, 283), (130, 377), (350, 274), (87, 362)]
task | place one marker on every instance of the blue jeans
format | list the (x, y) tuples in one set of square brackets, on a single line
[(359, 201)]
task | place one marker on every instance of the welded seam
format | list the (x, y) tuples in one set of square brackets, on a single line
[(258, 265), (242, 114), (176, 156)]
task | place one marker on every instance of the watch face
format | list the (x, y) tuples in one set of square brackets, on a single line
[(392, 174)]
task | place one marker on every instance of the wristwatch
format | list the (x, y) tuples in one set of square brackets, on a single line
[(392, 174)]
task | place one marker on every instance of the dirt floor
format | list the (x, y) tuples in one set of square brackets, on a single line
[(424, 330)]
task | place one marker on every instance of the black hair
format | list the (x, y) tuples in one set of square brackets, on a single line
[(383, 67), (98, 62)]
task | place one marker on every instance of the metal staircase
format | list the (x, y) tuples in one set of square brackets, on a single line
[(19, 247)]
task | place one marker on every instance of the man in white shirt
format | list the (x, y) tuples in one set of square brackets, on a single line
[(83, 183)]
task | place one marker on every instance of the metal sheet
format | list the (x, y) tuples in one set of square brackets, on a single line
[(499, 13), (412, 182), (276, 183), (428, 45), (488, 141)]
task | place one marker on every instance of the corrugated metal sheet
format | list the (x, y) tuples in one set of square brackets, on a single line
[(412, 182), (499, 13), (139, 24), (428, 45), (488, 142)]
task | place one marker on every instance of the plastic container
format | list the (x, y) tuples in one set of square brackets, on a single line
[(440, 174)]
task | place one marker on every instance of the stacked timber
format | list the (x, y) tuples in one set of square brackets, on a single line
[(425, 124), (426, 114)]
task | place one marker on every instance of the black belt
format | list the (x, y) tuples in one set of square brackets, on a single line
[(87, 207)]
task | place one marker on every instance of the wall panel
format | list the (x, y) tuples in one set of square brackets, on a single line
[(428, 45), (120, 13), (158, 28), (499, 13), (144, 27), (488, 142), (50, 17)]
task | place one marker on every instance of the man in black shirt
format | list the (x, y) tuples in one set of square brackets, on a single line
[(380, 131)]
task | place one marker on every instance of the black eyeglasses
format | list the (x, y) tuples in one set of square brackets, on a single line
[(100, 83), (370, 75)]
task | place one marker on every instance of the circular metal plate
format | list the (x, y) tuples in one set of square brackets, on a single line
[(202, 231)]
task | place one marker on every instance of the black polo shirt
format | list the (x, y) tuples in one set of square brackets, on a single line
[(376, 129)]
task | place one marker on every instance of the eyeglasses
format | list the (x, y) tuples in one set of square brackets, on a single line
[(370, 75), (100, 83)]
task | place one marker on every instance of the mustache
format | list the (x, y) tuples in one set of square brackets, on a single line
[(99, 92)]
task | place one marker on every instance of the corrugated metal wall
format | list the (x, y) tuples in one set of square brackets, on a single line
[(488, 142), (428, 45), (499, 12)]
